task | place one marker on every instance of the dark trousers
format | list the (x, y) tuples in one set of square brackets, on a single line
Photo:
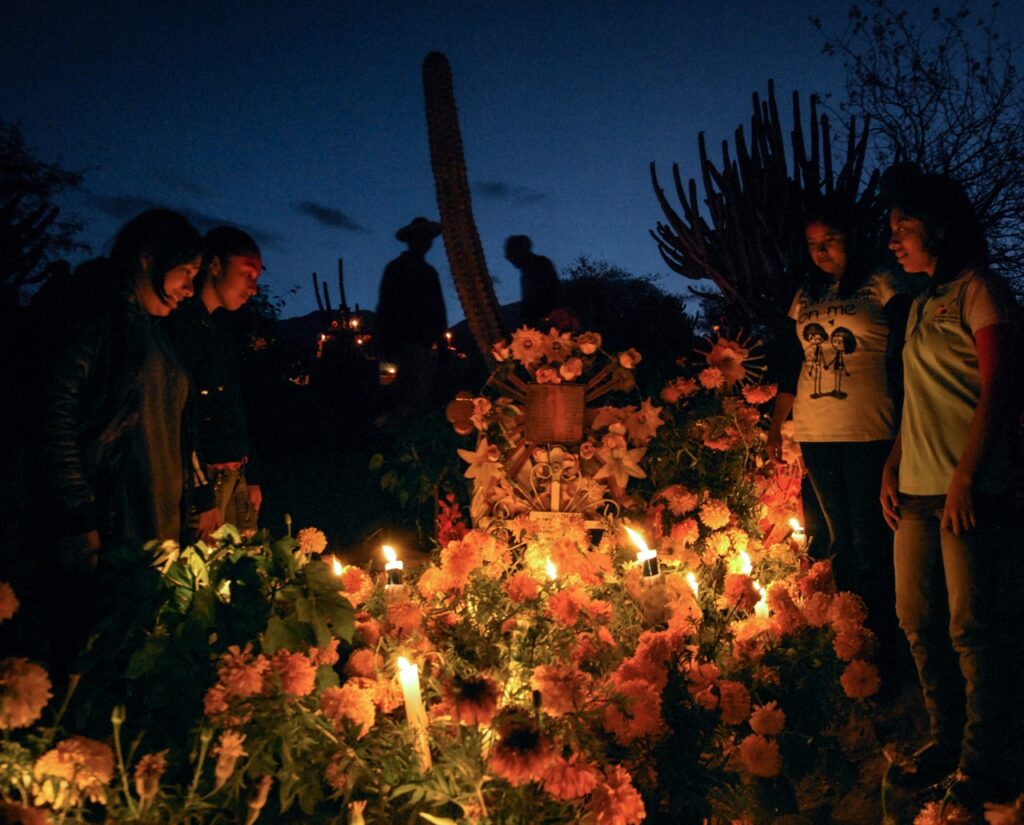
[(847, 479), (946, 591)]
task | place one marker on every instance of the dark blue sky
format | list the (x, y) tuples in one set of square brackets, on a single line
[(303, 121)]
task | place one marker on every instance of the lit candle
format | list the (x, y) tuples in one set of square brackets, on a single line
[(393, 568), (741, 563), (798, 536), (415, 714), (552, 571), (645, 556), (761, 608), (691, 580), (336, 567)]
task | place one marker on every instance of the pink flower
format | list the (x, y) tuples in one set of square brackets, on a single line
[(630, 358)]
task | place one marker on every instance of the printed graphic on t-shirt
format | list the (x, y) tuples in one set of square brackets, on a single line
[(826, 350)]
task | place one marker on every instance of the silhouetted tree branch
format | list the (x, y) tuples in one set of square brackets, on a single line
[(944, 93)]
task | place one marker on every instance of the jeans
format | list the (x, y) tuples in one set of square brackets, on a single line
[(847, 477), (946, 588)]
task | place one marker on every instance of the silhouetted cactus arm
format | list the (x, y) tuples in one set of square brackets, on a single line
[(461, 239)]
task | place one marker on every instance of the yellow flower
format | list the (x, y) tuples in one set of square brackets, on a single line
[(312, 542), (77, 767), (715, 514), (350, 703), (24, 691), (615, 801)]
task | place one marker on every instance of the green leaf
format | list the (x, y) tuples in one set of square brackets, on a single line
[(376, 462), (148, 659), (285, 635)]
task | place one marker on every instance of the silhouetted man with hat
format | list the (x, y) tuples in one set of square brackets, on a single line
[(411, 317), (538, 280)]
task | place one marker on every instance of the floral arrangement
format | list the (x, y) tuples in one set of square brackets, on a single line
[(696, 667)]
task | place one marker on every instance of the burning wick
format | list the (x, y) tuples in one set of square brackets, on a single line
[(761, 608), (552, 571), (336, 567), (799, 536), (691, 580), (393, 568), (645, 556)]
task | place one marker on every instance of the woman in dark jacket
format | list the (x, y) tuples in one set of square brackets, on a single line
[(114, 446)]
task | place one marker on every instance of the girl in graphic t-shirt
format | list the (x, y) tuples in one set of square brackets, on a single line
[(846, 318), (947, 487)]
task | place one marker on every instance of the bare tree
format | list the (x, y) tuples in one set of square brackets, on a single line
[(32, 236), (944, 93)]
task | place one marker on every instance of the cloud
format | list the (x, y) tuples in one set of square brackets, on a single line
[(123, 207), (175, 180), (334, 218), (500, 191)]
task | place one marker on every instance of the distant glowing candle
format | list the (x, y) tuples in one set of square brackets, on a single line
[(798, 536), (415, 714), (552, 571), (645, 556), (393, 568), (336, 567), (761, 608), (691, 580)]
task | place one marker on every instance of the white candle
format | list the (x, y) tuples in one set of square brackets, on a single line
[(761, 608), (415, 714), (393, 568), (798, 536), (645, 556)]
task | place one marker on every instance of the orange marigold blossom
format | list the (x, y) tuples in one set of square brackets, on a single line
[(521, 753), (473, 699), (860, 679), (312, 542), (295, 671), (739, 591), (336, 776), (570, 778), (566, 605), (768, 720), (817, 579), (760, 756), (352, 703), (460, 558), (615, 801), (215, 700), (733, 701), (760, 393), (945, 812), (326, 655), (356, 584), (521, 587), (433, 583), (240, 672), (563, 688), (148, 772), (853, 642), (404, 618), (715, 514), (635, 712), (680, 500), (711, 378), (15, 814), (228, 750), (363, 662), (816, 609), (81, 767), (784, 610), (25, 689), (368, 628), (847, 609), (8, 602)]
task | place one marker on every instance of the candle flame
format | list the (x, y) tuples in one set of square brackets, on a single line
[(691, 580), (551, 569), (747, 566), (389, 552), (795, 525), (405, 665), (638, 540), (336, 567)]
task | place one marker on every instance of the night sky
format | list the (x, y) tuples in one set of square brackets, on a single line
[(303, 122)]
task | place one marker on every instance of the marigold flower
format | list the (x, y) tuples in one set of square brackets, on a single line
[(615, 801), (760, 393), (566, 605), (642, 714), (768, 720), (847, 610), (680, 500), (460, 558), (77, 767), (860, 679), (367, 627), (25, 689), (817, 579), (521, 754), (711, 378), (473, 699), (8, 602), (570, 778), (785, 611), (357, 584), (363, 662), (327, 655), (563, 688), (589, 342), (715, 514), (228, 750), (678, 388), (148, 771), (352, 703), (734, 702), (853, 642), (739, 591), (240, 672), (336, 776), (296, 672), (816, 609), (760, 756), (215, 701), (312, 542), (947, 813), (686, 531), (404, 618), (521, 587)]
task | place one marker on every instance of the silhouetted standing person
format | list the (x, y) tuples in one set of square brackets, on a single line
[(411, 317), (538, 280)]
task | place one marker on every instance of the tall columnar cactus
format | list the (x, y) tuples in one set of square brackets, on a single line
[(461, 239), (747, 235)]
